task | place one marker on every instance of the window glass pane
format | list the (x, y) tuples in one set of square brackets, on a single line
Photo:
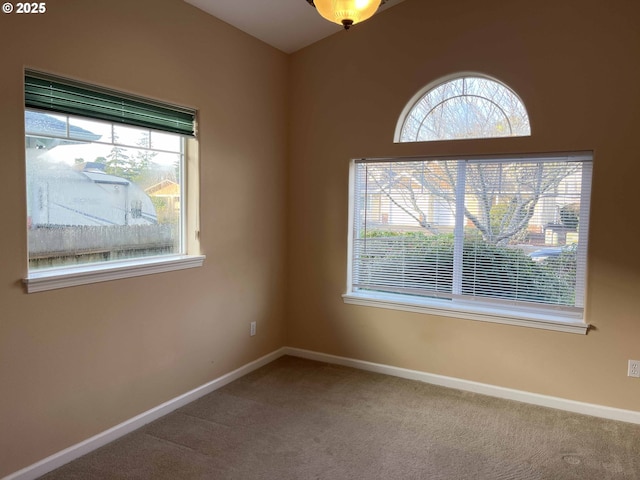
[(90, 130), (516, 240), (165, 141), (39, 123), (522, 231), (131, 136), (406, 218), (466, 107), (93, 202)]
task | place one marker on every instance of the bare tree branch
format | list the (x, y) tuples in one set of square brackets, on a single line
[(518, 187)]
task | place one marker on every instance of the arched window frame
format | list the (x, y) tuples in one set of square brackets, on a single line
[(415, 100)]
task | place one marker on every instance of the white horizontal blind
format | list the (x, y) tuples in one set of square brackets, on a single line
[(491, 230)]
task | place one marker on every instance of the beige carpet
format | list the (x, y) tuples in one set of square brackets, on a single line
[(298, 419)]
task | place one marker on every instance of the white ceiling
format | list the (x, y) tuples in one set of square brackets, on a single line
[(288, 25)]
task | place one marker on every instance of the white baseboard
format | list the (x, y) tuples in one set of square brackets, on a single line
[(76, 451), (629, 416)]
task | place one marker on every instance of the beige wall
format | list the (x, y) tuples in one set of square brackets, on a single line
[(77, 361), (575, 65)]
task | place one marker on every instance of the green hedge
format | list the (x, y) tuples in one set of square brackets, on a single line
[(425, 262)]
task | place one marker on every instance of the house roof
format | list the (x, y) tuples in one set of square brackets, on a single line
[(165, 188), (38, 122)]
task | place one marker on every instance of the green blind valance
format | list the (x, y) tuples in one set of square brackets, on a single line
[(55, 94)]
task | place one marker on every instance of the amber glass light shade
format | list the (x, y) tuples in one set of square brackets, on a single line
[(347, 12)]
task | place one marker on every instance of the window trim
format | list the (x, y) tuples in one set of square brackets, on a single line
[(474, 309), (486, 314), (61, 277)]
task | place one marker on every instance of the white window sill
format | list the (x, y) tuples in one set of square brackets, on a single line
[(54, 278), (547, 321)]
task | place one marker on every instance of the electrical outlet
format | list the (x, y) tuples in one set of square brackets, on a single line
[(252, 329), (634, 368)]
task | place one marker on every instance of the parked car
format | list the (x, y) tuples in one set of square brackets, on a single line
[(552, 252)]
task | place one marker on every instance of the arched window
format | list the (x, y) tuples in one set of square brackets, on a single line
[(469, 106)]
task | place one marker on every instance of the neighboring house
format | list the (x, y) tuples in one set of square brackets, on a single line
[(410, 207), (166, 197)]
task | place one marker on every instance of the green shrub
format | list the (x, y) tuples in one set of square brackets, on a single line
[(424, 263)]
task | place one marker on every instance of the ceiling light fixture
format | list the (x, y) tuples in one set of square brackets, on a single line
[(346, 12)]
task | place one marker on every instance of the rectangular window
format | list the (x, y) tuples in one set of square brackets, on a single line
[(105, 181), (498, 239)]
